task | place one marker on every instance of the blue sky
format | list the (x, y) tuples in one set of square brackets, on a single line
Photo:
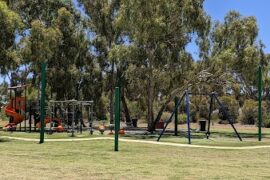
[(217, 9)]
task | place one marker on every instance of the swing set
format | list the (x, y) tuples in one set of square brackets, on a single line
[(185, 98)]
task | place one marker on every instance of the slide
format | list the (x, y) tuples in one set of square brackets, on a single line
[(17, 118)]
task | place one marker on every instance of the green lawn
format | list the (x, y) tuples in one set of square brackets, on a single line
[(97, 160), (219, 137)]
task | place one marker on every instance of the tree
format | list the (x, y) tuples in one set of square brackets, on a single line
[(102, 14), (236, 50), (11, 25), (32, 11), (159, 32)]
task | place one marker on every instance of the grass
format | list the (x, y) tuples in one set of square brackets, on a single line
[(35, 135), (97, 160), (220, 136)]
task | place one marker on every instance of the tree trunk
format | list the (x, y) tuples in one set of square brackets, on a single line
[(163, 107), (125, 107)]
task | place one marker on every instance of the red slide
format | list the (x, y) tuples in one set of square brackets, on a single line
[(17, 118)]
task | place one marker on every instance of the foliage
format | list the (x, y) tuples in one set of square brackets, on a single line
[(249, 113), (182, 118), (236, 50), (11, 24), (101, 112), (158, 38), (136, 111), (166, 116), (199, 107), (266, 122), (232, 107), (3, 116)]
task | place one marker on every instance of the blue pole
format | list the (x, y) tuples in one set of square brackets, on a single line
[(188, 116)]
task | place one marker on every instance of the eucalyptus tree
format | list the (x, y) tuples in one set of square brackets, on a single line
[(160, 31), (11, 25), (42, 10), (30, 12), (101, 24), (235, 49)]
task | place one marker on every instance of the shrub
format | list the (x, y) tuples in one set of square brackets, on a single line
[(249, 113), (3, 114), (204, 110), (194, 115), (215, 116), (266, 122), (199, 107), (101, 104), (231, 105), (165, 116), (182, 118)]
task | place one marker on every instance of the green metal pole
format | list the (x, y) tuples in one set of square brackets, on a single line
[(260, 104), (116, 118), (42, 102), (176, 99)]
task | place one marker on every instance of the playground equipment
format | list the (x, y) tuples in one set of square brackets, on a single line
[(60, 115), (16, 109), (117, 111), (213, 97), (69, 115)]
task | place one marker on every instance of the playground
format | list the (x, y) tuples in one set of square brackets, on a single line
[(134, 89), (63, 140)]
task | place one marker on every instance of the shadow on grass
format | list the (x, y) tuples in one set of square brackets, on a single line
[(155, 135), (195, 135), (233, 135), (4, 140)]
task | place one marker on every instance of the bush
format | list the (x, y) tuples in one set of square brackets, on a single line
[(3, 116), (101, 111), (135, 110), (182, 118), (204, 110), (231, 105), (215, 116), (199, 108), (165, 116), (194, 115), (249, 113), (266, 122)]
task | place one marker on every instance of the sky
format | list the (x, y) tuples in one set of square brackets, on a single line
[(217, 9)]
